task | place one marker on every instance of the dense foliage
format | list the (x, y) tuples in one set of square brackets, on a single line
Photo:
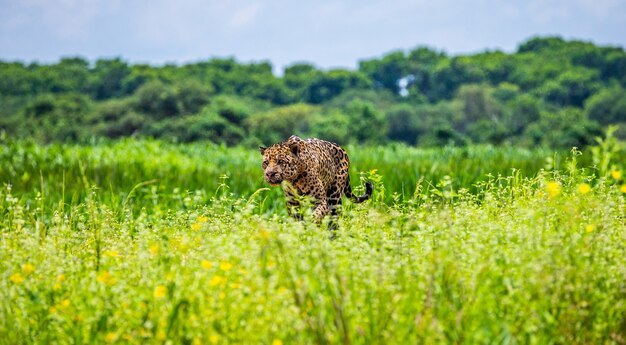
[(550, 92), (145, 242)]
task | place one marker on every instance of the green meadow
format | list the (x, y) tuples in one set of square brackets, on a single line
[(148, 242)]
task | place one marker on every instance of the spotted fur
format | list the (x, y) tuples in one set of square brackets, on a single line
[(313, 168)]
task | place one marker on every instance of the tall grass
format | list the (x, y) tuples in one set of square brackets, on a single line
[(70, 171), (533, 257)]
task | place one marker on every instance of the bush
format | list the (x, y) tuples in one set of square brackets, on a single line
[(564, 129), (157, 100), (204, 126), (277, 125)]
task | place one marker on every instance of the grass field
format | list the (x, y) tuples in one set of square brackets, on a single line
[(146, 242)]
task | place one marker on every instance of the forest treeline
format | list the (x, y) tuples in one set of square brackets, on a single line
[(550, 92)]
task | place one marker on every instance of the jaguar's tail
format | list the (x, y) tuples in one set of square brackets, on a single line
[(369, 188)]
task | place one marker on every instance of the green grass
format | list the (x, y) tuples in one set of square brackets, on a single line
[(89, 254), (69, 172)]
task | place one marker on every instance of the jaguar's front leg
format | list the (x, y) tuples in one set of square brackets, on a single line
[(320, 210), (292, 199)]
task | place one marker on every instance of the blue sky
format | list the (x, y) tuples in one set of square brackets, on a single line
[(326, 33)]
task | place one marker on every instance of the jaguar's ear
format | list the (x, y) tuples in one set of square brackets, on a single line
[(262, 149), (294, 138), (294, 147)]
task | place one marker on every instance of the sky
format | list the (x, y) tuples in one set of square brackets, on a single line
[(329, 34)]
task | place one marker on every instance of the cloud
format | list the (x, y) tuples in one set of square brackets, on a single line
[(326, 32), (600, 8), (245, 16), (65, 19), (546, 11), (193, 21)]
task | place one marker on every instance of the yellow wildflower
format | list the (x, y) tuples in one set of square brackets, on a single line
[(57, 284), (584, 188), (616, 174), (196, 226), (110, 337), (203, 219), (111, 253), (590, 227), (225, 266), (66, 303), (217, 280), (144, 333), (106, 278), (553, 188), (277, 342), (52, 310), (103, 277), (214, 339), (154, 249), (160, 291), (206, 264), (16, 278), (60, 279), (28, 269), (161, 335), (623, 188), (264, 234)]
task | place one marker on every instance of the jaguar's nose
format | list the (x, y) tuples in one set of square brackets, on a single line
[(273, 177)]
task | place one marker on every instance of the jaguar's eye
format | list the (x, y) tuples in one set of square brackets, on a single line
[(281, 162), (264, 164)]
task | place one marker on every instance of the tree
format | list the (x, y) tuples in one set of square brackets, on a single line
[(450, 74), (402, 122), (297, 79), (367, 124), (69, 75), (266, 88), (571, 88), (139, 75), (157, 100), (280, 123), (422, 63), (207, 125), (231, 108), (540, 44), (478, 103), (607, 106), (328, 85), (565, 129), (521, 112), (16, 79), (386, 72), (51, 118), (615, 66), (128, 124), (332, 125), (108, 78), (192, 95)]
